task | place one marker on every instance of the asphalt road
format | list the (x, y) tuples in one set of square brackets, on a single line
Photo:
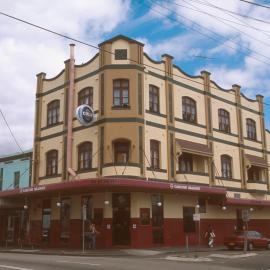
[(260, 261)]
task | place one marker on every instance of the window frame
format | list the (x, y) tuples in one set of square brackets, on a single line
[(121, 89), (224, 120), (52, 169), (185, 159), (117, 145), (226, 167), (84, 163), (155, 154), (53, 112), (251, 129), (154, 93), (86, 93), (189, 109), (17, 177)]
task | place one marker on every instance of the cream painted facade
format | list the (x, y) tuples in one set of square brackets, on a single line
[(199, 145)]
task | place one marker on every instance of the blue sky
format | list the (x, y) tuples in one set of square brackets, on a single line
[(200, 34)]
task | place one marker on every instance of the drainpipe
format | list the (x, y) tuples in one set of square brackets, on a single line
[(70, 110)]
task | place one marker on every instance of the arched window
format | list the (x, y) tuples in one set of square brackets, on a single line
[(224, 120), (251, 129), (153, 98), (189, 111), (121, 92), (154, 154), (121, 151), (52, 163), (85, 96), (226, 166), (53, 110), (85, 156)]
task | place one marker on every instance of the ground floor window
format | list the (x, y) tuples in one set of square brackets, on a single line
[(157, 218), (65, 218), (189, 223)]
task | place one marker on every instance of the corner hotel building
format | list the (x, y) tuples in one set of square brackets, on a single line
[(165, 146)]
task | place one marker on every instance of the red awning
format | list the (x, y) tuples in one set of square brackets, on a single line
[(256, 161), (194, 148), (247, 202), (111, 184)]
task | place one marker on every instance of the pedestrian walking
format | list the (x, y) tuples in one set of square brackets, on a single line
[(93, 233), (210, 236)]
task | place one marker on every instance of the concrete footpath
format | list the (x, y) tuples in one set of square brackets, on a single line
[(113, 252)]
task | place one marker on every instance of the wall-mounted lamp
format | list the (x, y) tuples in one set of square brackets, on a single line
[(251, 209), (197, 206), (106, 202), (25, 207), (159, 203), (224, 207), (58, 204)]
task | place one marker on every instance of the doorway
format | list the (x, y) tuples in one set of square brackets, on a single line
[(12, 228), (121, 219)]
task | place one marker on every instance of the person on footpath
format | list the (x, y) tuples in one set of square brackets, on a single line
[(93, 235), (210, 236)]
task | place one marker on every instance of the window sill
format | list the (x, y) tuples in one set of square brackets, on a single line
[(52, 125), (50, 176), (193, 173), (126, 107), (86, 170), (256, 182), (252, 140), (156, 170), (190, 122)]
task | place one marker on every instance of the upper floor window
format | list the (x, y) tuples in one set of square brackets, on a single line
[(153, 98), (189, 109), (251, 129), (85, 96), (121, 151), (226, 166), (53, 111), (121, 92), (154, 154), (16, 179), (120, 54), (52, 162), (224, 120), (85, 156), (185, 162)]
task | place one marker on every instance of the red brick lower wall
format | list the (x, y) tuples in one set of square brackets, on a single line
[(141, 235)]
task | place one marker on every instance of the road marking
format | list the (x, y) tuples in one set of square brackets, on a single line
[(188, 259), (93, 264), (230, 256), (14, 267)]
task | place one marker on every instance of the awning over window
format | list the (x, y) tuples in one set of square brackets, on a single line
[(193, 148), (255, 161)]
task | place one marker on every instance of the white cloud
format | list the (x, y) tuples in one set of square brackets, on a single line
[(26, 51), (180, 47)]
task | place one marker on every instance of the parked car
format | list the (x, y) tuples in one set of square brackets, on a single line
[(254, 240)]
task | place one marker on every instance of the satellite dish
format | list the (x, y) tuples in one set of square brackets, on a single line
[(85, 115)]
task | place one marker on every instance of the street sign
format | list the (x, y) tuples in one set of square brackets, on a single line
[(245, 215), (196, 217)]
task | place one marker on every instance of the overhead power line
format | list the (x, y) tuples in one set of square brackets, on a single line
[(207, 35), (206, 3), (5, 120), (255, 4), (109, 52), (222, 20)]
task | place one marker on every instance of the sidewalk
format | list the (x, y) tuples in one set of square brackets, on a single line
[(113, 252)]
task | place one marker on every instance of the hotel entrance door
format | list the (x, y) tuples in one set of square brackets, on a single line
[(121, 219)]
